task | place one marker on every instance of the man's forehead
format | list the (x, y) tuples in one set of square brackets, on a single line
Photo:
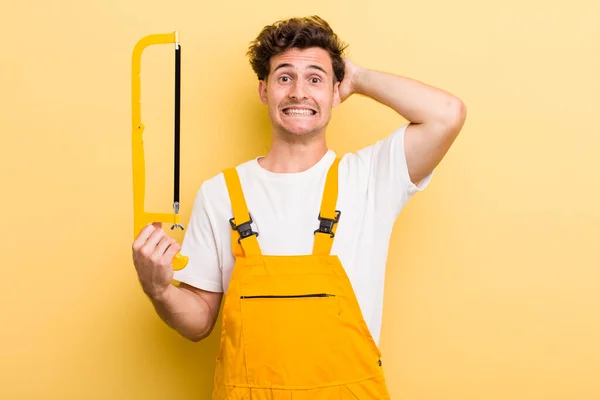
[(313, 58)]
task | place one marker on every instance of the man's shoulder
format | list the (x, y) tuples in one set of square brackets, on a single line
[(215, 186)]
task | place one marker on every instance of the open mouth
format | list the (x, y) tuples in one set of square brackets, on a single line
[(299, 111)]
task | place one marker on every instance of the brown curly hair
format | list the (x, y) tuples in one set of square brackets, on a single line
[(301, 33)]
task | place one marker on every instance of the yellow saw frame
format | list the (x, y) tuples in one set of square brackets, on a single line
[(141, 218)]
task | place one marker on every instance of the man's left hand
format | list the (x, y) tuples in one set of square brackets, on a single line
[(348, 84)]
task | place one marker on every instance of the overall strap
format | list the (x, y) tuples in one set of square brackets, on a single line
[(328, 215), (243, 239)]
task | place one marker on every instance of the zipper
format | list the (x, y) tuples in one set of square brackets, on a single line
[(288, 296)]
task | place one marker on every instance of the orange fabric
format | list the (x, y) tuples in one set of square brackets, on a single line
[(292, 327)]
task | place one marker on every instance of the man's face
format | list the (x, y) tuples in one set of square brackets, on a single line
[(300, 92)]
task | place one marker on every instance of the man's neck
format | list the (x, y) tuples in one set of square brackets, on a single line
[(285, 157)]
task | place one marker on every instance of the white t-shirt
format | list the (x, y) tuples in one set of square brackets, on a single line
[(373, 187)]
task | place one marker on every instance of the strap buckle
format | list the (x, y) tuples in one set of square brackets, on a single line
[(244, 229), (326, 224)]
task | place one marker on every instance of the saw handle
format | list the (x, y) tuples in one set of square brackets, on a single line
[(179, 261)]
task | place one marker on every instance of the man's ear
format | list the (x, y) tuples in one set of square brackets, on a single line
[(262, 91), (336, 94)]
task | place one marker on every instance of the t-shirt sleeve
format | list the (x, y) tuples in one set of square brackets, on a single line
[(389, 185), (203, 269)]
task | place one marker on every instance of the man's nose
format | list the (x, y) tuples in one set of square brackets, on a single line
[(298, 90)]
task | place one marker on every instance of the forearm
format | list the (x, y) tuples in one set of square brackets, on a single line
[(185, 312), (415, 101)]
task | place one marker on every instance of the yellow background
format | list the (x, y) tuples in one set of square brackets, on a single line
[(493, 281)]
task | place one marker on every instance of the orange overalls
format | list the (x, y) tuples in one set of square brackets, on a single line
[(292, 328)]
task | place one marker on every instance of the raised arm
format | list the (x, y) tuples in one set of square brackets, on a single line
[(436, 116)]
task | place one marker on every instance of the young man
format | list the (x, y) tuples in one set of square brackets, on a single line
[(297, 240)]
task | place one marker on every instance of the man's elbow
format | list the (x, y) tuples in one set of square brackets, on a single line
[(199, 336), (453, 118), (457, 114), (197, 339)]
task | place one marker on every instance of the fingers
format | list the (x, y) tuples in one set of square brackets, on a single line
[(165, 251), (148, 239), (144, 234), (170, 253), (162, 246), (155, 237), (154, 245), (151, 233)]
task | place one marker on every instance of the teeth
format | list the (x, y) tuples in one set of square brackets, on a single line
[(298, 111)]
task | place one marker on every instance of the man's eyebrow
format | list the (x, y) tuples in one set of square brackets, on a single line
[(318, 67), (314, 66)]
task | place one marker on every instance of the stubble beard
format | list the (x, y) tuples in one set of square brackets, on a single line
[(299, 138)]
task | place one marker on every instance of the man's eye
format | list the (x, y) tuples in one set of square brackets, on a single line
[(284, 78), (315, 80)]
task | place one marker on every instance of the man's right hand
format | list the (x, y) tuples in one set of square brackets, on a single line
[(153, 252)]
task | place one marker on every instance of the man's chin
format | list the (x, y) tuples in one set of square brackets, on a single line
[(298, 134), (301, 132)]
